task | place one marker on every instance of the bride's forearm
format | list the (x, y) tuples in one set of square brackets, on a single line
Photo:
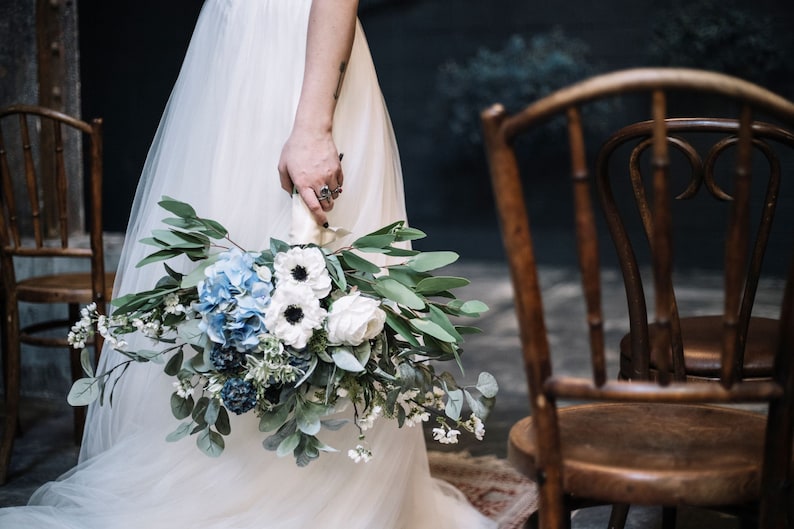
[(330, 38)]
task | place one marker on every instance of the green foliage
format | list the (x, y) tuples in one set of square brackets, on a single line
[(393, 368), (717, 35), (517, 74)]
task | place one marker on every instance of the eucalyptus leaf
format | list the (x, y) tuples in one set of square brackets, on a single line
[(356, 262), (433, 329), (379, 241), (185, 224), (85, 362), (436, 284), (190, 333), (363, 352), (406, 275), (199, 409), (400, 252), (477, 407), (473, 308), (178, 208), (409, 234), (467, 329), (487, 385), (396, 291), (210, 442), (148, 355), (174, 363), (161, 255), (212, 412), (454, 404), (183, 430), (181, 408), (213, 229), (277, 246), (222, 424), (345, 359), (84, 391), (336, 272), (401, 327), (167, 282), (427, 261), (180, 239), (390, 228), (438, 317)]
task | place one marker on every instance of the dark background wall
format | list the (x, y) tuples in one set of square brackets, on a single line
[(131, 53)]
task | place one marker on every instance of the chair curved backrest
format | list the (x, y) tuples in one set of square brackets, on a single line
[(658, 133), (39, 219)]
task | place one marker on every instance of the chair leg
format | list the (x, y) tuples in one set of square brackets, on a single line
[(618, 516), (12, 380)]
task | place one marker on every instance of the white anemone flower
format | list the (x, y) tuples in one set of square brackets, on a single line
[(303, 266), (293, 315)]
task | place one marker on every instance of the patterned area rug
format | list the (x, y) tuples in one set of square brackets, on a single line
[(490, 484)]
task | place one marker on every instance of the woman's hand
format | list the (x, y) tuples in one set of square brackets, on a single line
[(309, 162)]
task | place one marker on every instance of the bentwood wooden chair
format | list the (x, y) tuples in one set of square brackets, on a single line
[(41, 154), (696, 343), (650, 440)]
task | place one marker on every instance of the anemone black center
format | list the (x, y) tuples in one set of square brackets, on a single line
[(293, 314), (299, 273)]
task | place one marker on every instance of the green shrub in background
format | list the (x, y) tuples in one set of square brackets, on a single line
[(515, 75), (717, 35)]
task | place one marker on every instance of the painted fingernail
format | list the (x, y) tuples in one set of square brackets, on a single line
[(325, 225), (341, 155)]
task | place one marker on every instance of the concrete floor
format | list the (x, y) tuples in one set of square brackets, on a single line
[(46, 449)]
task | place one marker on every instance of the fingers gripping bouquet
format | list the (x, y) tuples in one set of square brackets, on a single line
[(294, 334)]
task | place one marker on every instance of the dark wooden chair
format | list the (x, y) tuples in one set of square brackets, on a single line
[(696, 344), (651, 440), (37, 220)]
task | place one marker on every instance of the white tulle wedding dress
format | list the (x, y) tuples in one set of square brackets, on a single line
[(217, 148)]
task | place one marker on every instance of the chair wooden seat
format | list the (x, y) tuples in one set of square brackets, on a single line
[(702, 337), (717, 459), (73, 287)]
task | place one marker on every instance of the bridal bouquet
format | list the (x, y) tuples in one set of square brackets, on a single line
[(294, 333)]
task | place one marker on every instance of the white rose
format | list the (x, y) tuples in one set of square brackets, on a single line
[(354, 319)]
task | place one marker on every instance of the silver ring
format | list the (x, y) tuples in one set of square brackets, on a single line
[(325, 193), (336, 191)]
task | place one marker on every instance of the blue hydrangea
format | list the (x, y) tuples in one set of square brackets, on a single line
[(238, 395), (225, 358), (232, 301)]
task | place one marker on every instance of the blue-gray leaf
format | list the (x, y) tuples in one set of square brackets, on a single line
[(84, 391), (486, 384), (454, 404)]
